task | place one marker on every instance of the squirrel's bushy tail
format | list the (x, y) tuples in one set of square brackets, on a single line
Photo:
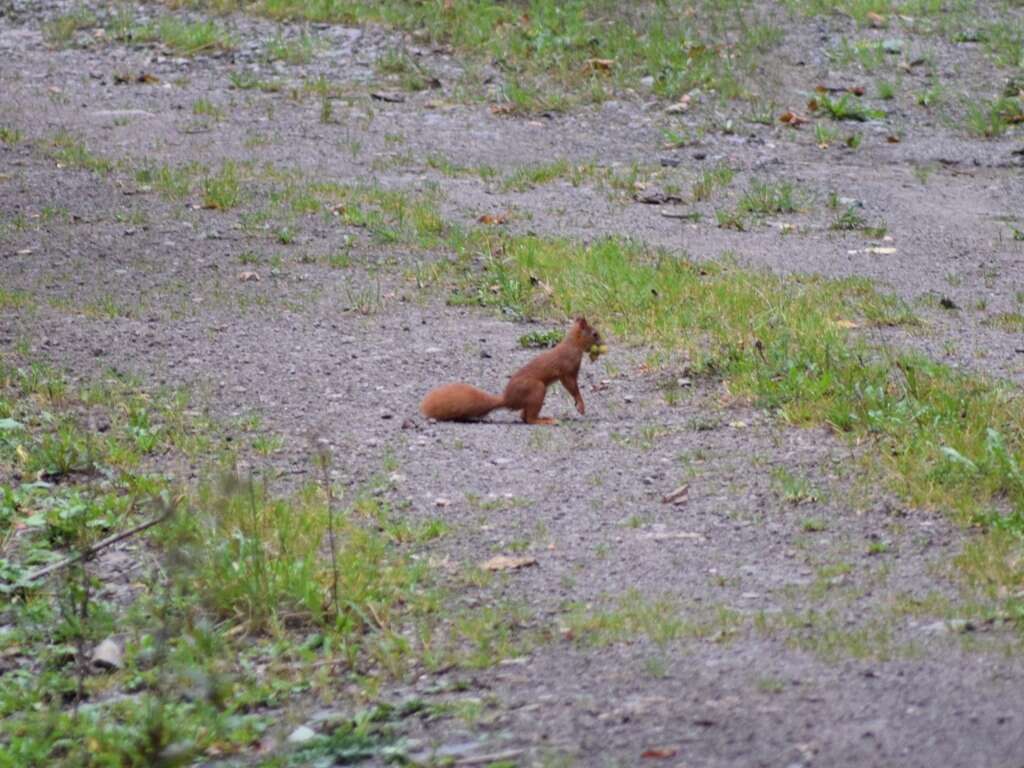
[(458, 402)]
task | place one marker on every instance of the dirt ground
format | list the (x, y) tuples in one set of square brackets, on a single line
[(866, 681)]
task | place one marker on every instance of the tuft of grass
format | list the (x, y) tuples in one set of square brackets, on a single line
[(711, 180), (188, 38), (296, 50), (532, 176), (70, 152), (793, 488), (172, 183), (886, 90), (846, 107), (223, 191), (206, 108), (1012, 322), (61, 30), (633, 616), (541, 339), (9, 136), (992, 119), (764, 198), (10, 299)]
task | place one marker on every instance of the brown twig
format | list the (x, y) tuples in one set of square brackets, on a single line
[(88, 554)]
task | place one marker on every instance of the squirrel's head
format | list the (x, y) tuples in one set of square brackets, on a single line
[(585, 334)]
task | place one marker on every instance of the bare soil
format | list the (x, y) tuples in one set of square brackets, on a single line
[(868, 682)]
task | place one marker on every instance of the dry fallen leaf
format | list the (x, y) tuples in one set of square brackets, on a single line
[(845, 324), (506, 563), (792, 119), (738, 424), (876, 19), (880, 250), (660, 753), (502, 109), (493, 218), (599, 65), (892, 138), (248, 277)]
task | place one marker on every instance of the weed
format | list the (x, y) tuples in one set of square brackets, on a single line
[(731, 220), (297, 50), (188, 38), (992, 119), (765, 198), (532, 176), (9, 136), (171, 183), (792, 488), (206, 108), (824, 135), (222, 191), (710, 180), (846, 107), (1012, 322), (886, 90), (70, 152), (848, 220), (61, 30), (541, 339)]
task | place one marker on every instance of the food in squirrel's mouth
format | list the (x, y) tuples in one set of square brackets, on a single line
[(597, 350)]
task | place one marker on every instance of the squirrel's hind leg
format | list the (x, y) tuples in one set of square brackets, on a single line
[(531, 411)]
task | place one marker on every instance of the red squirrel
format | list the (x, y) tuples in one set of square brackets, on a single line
[(526, 388)]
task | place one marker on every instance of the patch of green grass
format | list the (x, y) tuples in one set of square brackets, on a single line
[(869, 55), (398, 65), (727, 219), (576, 50), (1004, 40), (315, 593), (206, 108), (532, 176), (293, 50), (245, 81), (70, 152), (9, 136), (846, 107), (851, 220), (711, 180), (187, 38), (541, 339), (170, 182), (765, 198), (61, 30), (1013, 322), (631, 618), (993, 118), (223, 190), (793, 488), (944, 439), (825, 135), (827, 635), (12, 299)]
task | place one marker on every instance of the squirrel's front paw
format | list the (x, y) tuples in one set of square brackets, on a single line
[(580, 407)]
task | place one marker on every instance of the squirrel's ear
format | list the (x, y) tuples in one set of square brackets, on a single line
[(581, 321)]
